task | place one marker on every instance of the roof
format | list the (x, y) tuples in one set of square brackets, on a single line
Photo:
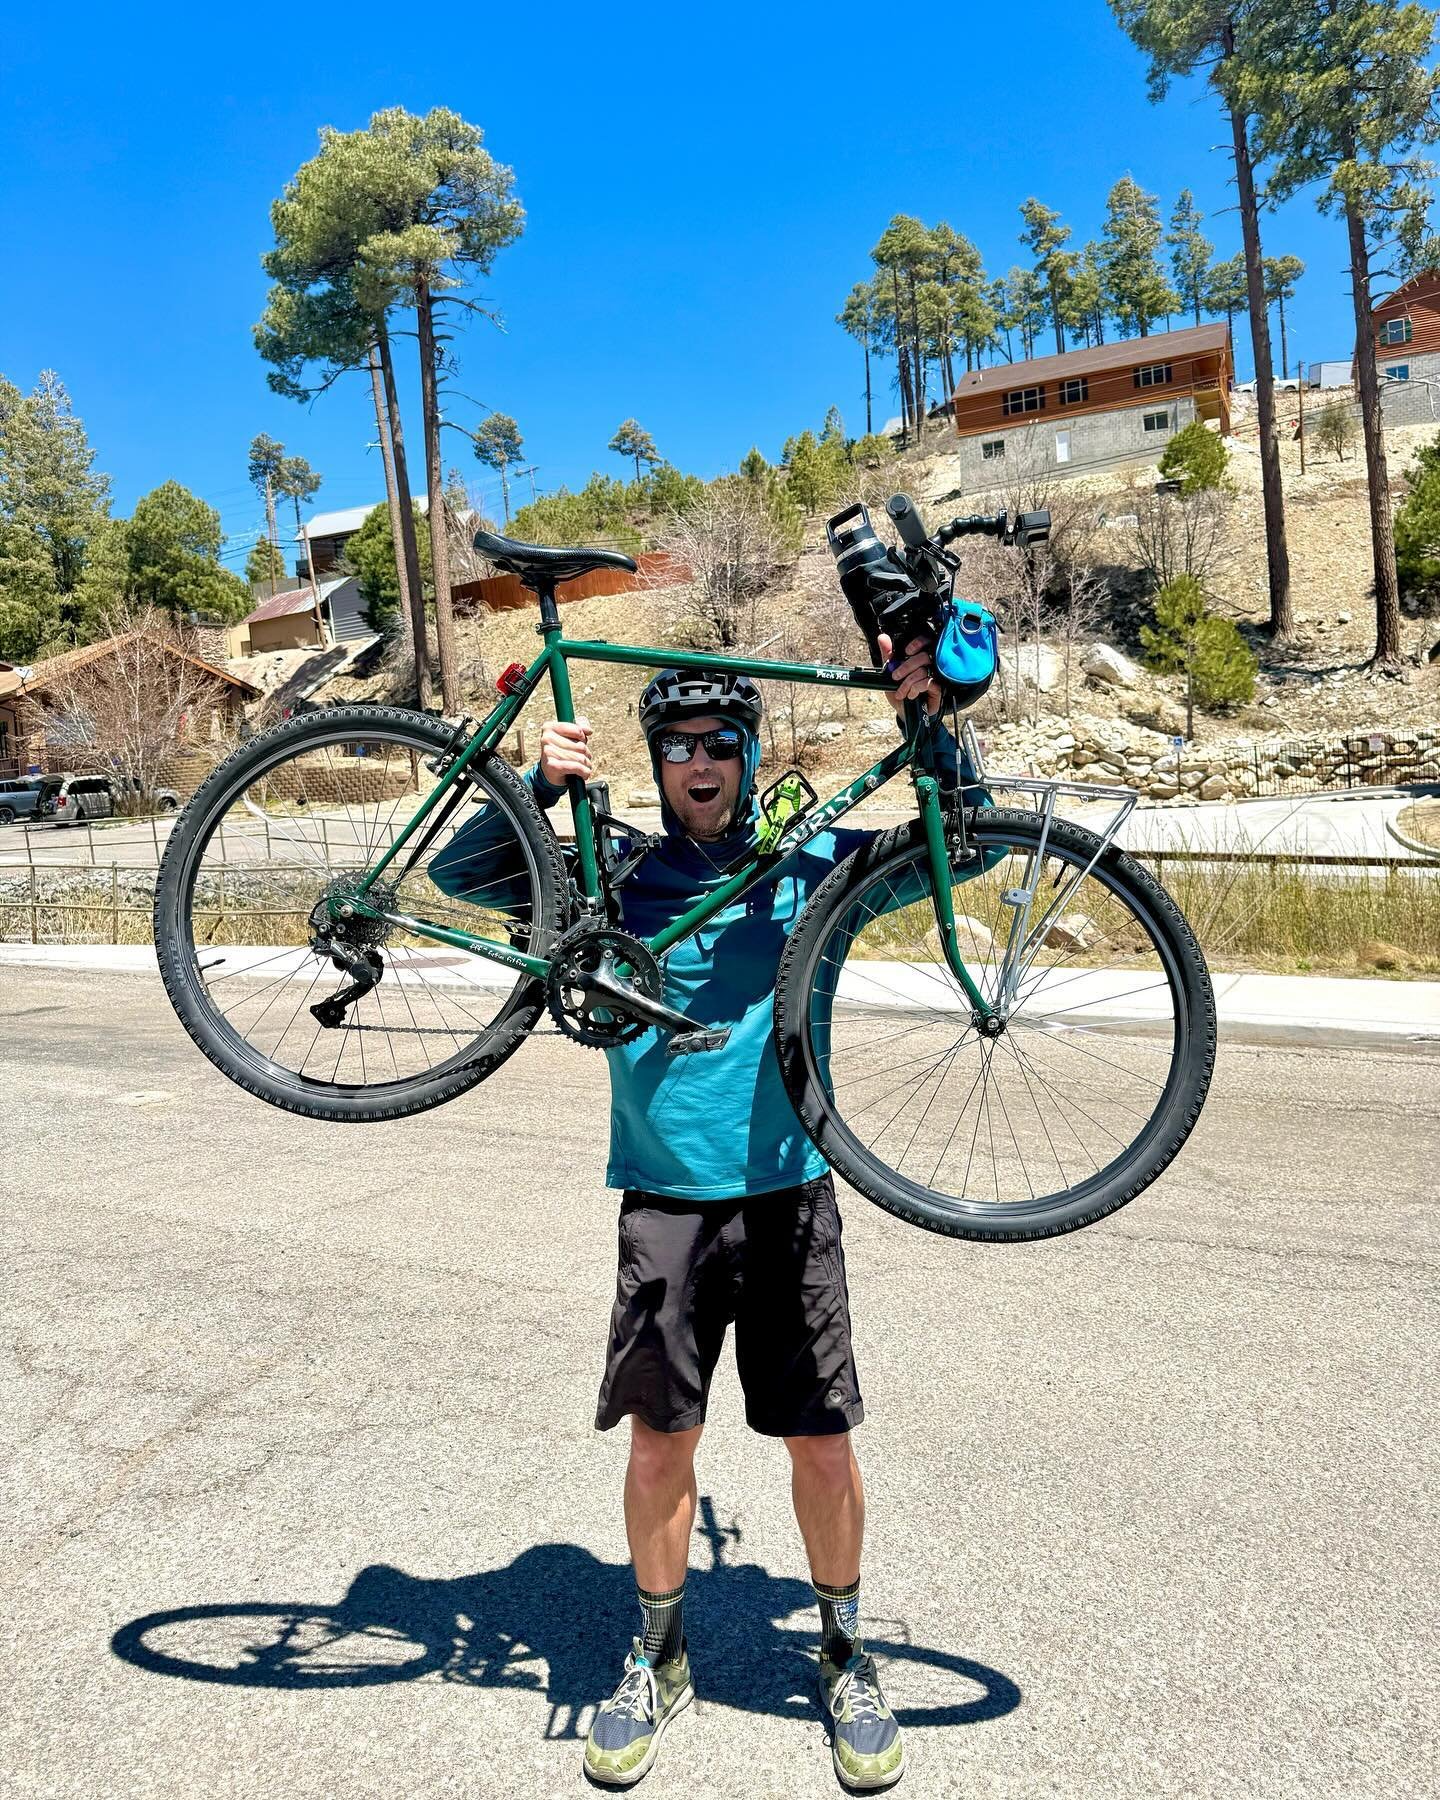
[(45, 674), (294, 600), (1157, 347), (1421, 286), (349, 519)]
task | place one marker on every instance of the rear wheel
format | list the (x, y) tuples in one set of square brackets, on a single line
[(360, 1018), (1042, 1120)]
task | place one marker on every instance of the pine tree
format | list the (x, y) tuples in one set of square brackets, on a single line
[(1281, 275), (54, 513), (173, 544), (1225, 290), (634, 441), (264, 564), (859, 318), (1345, 92), (902, 256), (1190, 253), (1417, 528), (1186, 638), (1045, 237), (266, 455), (1196, 457), (1189, 37), (1135, 284), (498, 444)]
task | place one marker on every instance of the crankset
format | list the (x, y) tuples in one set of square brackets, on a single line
[(605, 987)]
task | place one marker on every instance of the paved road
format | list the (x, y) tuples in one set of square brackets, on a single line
[(309, 1502)]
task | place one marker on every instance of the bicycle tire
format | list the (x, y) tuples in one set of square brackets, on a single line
[(1051, 1215), (179, 965)]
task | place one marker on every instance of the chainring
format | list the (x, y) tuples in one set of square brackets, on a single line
[(582, 1014)]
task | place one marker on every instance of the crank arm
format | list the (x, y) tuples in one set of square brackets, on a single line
[(622, 999)]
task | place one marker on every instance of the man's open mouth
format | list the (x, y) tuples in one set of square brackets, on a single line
[(701, 791)]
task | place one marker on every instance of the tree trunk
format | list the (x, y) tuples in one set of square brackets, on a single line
[(435, 487), (1284, 346), (1382, 521), (1055, 313), (274, 527), (505, 491), (919, 361), (419, 632), (1277, 551), (392, 496), (869, 426)]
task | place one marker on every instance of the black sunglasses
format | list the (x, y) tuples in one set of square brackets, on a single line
[(721, 745)]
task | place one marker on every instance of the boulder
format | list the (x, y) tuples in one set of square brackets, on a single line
[(1071, 931), (1041, 666), (1103, 663), (645, 796), (877, 728), (1214, 787), (827, 731)]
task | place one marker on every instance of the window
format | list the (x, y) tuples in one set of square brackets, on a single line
[(1074, 390), (1062, 446), (1024, 400), (993, 450), (1397, 331), (1397, 372), (1157, 421), (1153, 375)]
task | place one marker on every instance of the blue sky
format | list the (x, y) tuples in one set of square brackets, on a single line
[(701, 193)]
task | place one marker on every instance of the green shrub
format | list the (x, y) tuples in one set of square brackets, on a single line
[(1417, 528), (1196, 458)]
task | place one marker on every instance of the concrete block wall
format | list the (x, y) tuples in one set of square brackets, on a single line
[(1094, 438)]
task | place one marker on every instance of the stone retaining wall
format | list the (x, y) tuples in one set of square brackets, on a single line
[(1114, 753)]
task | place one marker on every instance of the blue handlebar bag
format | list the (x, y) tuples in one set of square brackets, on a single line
[(966, 651)]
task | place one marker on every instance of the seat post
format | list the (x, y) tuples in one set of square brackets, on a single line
[(549, 612)]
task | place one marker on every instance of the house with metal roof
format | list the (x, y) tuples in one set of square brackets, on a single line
[(1085, 409), (299, 619)]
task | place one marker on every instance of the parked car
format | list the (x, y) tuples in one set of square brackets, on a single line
[(18, 797), (72, 799)]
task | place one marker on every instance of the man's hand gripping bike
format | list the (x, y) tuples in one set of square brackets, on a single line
[(990, 1020)]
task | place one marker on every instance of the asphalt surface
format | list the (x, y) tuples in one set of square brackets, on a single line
[(307, 1498)]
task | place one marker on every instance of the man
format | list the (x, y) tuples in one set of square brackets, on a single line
[(728, 1215)]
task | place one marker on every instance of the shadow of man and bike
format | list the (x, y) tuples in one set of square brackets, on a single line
[(555, 1621)]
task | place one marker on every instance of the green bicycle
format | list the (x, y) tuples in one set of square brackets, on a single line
[(991, 1021)]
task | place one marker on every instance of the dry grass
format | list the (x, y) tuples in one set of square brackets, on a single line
[(1421, 822), (1275, 917)]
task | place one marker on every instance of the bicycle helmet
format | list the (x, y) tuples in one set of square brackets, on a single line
[(675, 694), (683, 693)]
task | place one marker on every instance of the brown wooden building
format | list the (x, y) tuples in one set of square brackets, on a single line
[(1087, 407)]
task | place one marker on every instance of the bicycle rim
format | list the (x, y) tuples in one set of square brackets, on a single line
[(290, 826), (1087, 1091)]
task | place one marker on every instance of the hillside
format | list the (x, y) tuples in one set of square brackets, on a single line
[(1317, 685)]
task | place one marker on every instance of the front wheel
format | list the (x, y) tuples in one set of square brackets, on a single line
[(1046, 1118)]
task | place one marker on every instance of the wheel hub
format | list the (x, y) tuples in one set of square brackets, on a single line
[(989, 1025), (332, 923)]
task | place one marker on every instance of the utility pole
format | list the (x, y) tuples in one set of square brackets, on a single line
[(1300, 396), (531, 473)]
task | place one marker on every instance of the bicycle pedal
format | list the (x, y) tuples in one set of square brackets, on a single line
[(687, 1043)]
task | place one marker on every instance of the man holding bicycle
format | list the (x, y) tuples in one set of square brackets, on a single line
[(728, 1215)]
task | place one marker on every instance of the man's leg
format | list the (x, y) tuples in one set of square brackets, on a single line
[(829, 1501), (660, 1501)]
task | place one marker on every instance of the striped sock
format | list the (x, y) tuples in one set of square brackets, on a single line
[(839, 1618), (664, 1623)]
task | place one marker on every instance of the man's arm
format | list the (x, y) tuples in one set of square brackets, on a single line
[(484, 861)]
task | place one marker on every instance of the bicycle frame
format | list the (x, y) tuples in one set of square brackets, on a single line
[(916, 750)]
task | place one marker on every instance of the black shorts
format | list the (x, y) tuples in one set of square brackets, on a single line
[(770, 1263)]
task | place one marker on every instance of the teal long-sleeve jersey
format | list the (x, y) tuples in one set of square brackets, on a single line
[(717, 1124)]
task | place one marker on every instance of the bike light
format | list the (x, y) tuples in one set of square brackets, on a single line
[(509, 679)]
